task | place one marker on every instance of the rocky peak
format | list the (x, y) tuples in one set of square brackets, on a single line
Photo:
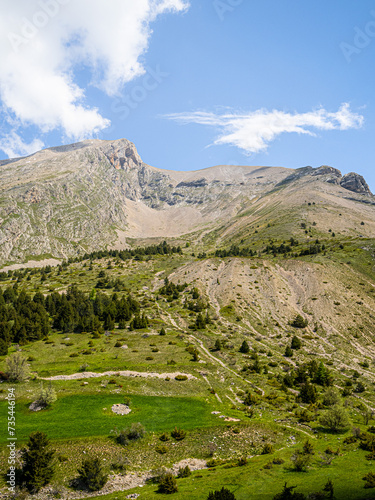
[(355, 182), (326, 170)]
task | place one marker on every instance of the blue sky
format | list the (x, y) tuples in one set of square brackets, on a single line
[(193, 83)]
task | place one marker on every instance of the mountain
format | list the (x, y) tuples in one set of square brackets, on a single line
[(65, 201)]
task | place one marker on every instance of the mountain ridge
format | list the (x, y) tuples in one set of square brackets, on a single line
[(64, 201)]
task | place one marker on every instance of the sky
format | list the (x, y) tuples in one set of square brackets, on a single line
[(193, 83)]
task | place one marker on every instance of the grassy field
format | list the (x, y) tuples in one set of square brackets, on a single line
[(91, 415)]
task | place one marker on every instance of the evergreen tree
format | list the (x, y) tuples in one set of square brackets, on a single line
[(3, 347), (308, 393), (296, 343), (217, 345), (168, 484), (38, 468), (162, 331), (200, 323), (289, 494), (244, 347), (223, 494), (288, 352), (92, 474)]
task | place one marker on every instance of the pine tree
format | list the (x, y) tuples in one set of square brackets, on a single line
[(162, 331), (296, 343), (223, 494), (244, 347), (288, 352), (200, 323), (92, 474), (38, 468), (308, 393)]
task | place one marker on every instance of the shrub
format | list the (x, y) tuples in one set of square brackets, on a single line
[(350, 440), (335, 419), (370, 480), (250, 399), (168, 484), (184, 472), (296, 343), (164, 437), (92, 474), (73, 355), (267, 449), (120, 463), (308, 448), (133, 433), (289, 494), (178, 434), (161, 449), (118, 344), (331, 397), (180, 377), (299, 322), (162, 331), (242, 461), (223, 494), (288, 352), (300, 462), (17, 368), (46, 396)]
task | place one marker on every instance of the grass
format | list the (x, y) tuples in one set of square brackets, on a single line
[(79, 416)]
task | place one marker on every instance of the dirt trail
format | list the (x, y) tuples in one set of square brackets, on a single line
[(126, 373), (207, 352)]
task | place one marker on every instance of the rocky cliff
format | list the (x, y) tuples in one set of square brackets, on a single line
[(67, 200)]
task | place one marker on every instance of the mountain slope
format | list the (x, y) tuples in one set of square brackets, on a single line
[(67, 200)]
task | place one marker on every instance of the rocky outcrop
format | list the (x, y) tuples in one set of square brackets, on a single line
[(68, 200), (356, 183)]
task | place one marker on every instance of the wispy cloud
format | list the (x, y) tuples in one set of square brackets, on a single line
[(45, 43), (253, 132)]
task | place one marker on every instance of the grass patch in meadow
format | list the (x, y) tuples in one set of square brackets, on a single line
[(82, 416)]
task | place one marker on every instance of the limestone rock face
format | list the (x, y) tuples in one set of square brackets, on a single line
[(65, 201), (355, 182)]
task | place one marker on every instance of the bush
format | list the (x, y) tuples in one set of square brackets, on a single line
[(91, 473), (132, 433), (370, 480), (267, 449), (299, 322), (164, 437), (308, 448), (289, 494), (223, 494), (184, 472), (296, 343), (242, 461), (180, 377), (17, 368), (46, 396), (335, 419), (178, 434), (161, 449), (300, 461), (168, 484), (331, 397)]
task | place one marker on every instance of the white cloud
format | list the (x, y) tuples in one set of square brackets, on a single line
[(13, 146), (253, 132), (44, 42)]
